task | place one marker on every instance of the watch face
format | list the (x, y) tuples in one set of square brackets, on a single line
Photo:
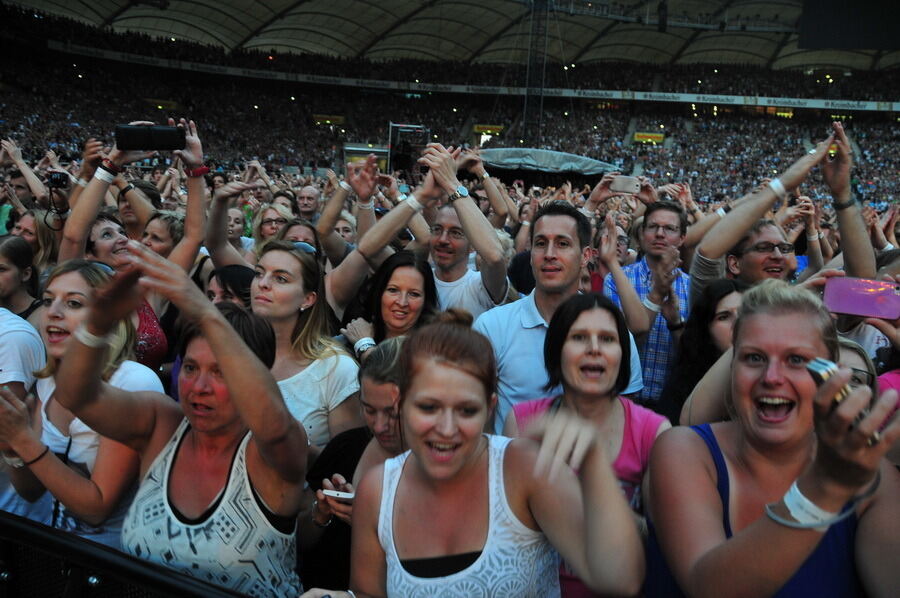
[(462, 191)]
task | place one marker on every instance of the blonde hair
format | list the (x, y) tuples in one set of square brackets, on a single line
[(257, 220), (48, 247), (778, 297), (174, 222), (122, 339), (349, 218)]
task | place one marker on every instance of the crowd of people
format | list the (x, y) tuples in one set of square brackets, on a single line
[(369, 384), (751, 80)]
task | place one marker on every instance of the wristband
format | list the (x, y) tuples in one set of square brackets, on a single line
[(778, 188), (838, 206), (125, 189), (402, 197), (806, 511), (363, 344), (38, 458), (369, 205), (91, 340), (81, 182), (412, 202), (199, 171), (104, 175), (812, 238), (651, 306), (721, 212), (346, 187), (679, 325), (526, 223), (108, 165)]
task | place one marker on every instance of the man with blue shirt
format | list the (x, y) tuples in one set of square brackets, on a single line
[(560, 247), (662, 286)]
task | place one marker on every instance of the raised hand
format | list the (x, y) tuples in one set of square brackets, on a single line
[(601, 192), (836, 169), (357, 328), (361, 176), (565, 440), (797, 172), (12, 150), (647, 194), (121, 158), (390, 185), (609, 243), (442, 164), (192, 154), (230, 190), (169, 280)]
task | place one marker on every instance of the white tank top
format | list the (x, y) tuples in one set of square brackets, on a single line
[(235, 546), (515, 561)]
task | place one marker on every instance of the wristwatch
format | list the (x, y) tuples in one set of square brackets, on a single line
[(461, 191), (843, 206)]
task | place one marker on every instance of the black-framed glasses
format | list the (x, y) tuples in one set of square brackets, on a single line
[(769, 247), (668, 229), (454, 233), (271, 221)]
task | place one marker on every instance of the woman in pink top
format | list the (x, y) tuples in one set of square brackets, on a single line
[(587, 351)]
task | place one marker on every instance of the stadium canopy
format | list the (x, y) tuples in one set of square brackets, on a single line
[(757, 32)]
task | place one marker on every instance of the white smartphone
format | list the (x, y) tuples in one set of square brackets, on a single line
[(338, 494)]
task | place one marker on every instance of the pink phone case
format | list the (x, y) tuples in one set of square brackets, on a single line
[(863, 297)]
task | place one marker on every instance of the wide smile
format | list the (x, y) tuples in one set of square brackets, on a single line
[(774, 410), (442, 451), (56, 334)]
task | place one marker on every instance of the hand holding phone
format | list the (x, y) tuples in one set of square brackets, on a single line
[(338, 494), (863, 297)]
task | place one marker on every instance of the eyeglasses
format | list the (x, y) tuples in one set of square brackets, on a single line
[(271, 221), (454, 233), (860, 378), (666, 228), (768, 247), (622, 240)]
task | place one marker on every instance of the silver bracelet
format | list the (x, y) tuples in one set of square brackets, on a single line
[(412, 202), (778, 187), (345, 186), (369, 205), (91, 340)]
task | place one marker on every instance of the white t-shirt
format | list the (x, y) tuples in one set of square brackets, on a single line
[(468, 293), (21, 354), (315, 392)]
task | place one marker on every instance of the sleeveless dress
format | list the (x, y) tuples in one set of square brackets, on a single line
[(830, 570), (515, 561), (234, 546)]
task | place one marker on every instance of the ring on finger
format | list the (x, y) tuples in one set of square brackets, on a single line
[(874, 439)]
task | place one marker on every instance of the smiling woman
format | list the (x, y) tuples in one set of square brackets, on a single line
[(716, 490), (403, 295)]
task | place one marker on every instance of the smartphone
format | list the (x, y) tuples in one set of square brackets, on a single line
[(821, 371), (625, 184), (863, 297), (141, 137), (338, 494)]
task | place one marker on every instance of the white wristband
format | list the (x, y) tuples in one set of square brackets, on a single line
[(14, 462), (367, 205), (812, 238), (363, 344), (91, 340), (651, 306), (778, 187), (103, 175), (721, 212), (81, 182), (804, 510), (346, 187), (412, 202)]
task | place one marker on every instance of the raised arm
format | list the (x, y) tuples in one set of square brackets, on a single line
[(636, 315), (220, 250), (859, 258), (333, 244), (476, 227), (753, 206), (38, 190), (140, 204), (186, 251)]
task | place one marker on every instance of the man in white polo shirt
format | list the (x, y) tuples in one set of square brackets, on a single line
[(560, 241)]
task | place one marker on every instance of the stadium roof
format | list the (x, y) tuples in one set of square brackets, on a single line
[(760, 32)]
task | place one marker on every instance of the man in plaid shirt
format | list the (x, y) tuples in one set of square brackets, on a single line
[(663, 288)]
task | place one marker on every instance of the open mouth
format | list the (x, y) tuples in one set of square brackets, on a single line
[(774, 271), (56, 334), (774, 409), (442, 451), (592, 371)]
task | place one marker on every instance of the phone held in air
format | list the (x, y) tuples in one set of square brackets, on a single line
[(863, 297), (625, 184), (146, 137)]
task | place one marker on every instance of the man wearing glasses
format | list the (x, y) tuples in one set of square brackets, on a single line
[(663, 288), (762, 253)]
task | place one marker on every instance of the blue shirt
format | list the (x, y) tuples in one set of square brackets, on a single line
[(658, 352), (517, 333)]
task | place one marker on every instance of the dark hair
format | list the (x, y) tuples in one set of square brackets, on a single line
[(255, 331), (382, 364), (741, 246), (450, 341), (291, 197), (563, 208), (18, 251), (150, 190), (562, 320), (381, 279), (103, 216), (237, 279), (671, 206), (280, 235), (696, 350)]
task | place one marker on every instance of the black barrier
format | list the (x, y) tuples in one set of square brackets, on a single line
[(38, 561)]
